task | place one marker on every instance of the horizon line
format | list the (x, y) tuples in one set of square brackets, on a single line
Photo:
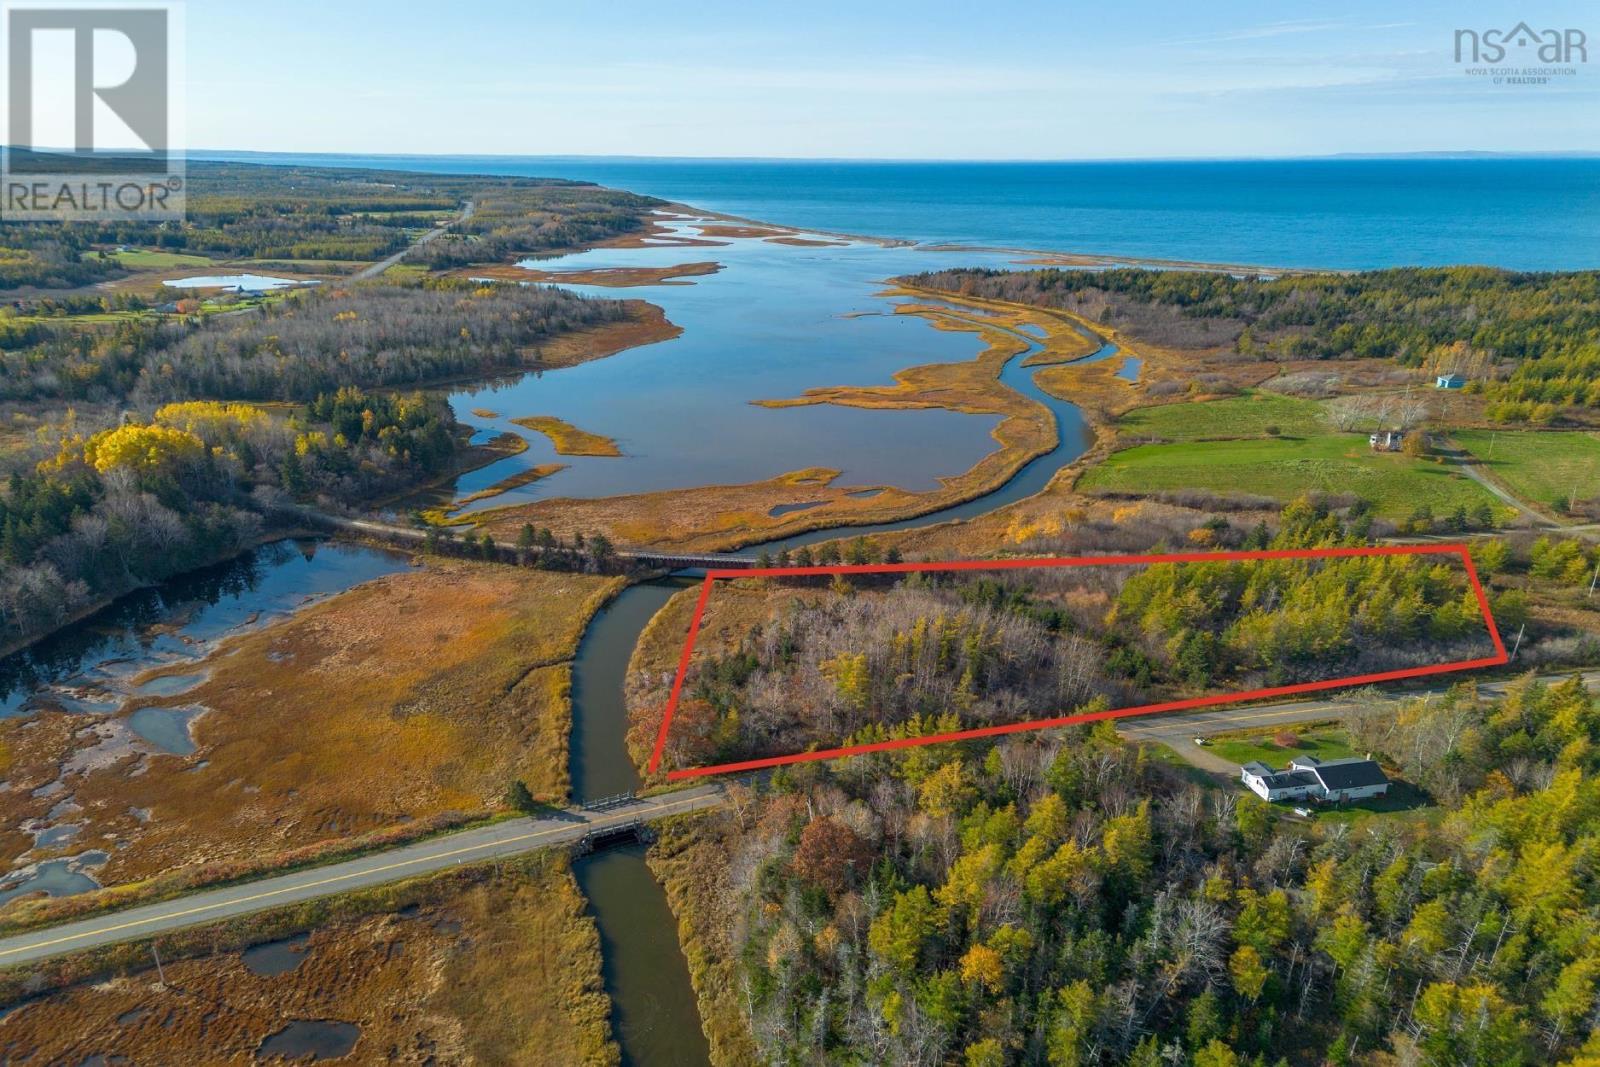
[(1462, 153)]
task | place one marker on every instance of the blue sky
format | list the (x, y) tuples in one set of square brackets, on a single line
[(999, 80)]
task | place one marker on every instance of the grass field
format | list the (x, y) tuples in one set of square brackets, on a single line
[(1248, 415), (1285, 468), (1323, 744), (146, 259), (1535, 466)]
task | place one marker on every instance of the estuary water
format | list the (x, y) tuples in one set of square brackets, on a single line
[(774, 321)]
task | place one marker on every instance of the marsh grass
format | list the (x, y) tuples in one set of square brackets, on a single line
[(498, 964), (417, 696)]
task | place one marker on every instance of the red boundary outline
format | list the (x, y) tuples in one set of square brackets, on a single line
[(712, 576)]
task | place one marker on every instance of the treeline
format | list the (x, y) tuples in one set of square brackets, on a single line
[(252, 211), (139, 502), (1529, 341), (1285, 620), (1065, 900), (509, 222), (369, 335), (1405, 313), (47, 256)]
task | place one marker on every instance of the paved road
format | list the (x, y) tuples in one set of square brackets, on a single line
[(383, 265), (469, 846), (1179, 729)]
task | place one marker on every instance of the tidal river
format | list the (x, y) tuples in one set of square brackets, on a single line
[(775, 321), (645, 973)]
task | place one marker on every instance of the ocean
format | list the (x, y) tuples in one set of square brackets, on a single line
[(1522, 213)]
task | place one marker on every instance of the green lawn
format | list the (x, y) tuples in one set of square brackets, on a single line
[(1323, 744), (1285, 468), (1403, 800), (1248, 415), (146, 259), (1537, 466)]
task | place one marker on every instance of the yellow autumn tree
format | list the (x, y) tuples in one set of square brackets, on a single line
[(946, 791), (211, 420), (143, 449), (1249, 973), (981, 966), (848, 672)]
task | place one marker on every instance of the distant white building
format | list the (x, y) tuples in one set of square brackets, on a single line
[(1307, 777), (1450, 381), (1387, 440)]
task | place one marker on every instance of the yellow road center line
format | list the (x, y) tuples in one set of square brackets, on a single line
[(299, 886)]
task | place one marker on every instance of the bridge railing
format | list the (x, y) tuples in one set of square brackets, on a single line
[(616, 800)]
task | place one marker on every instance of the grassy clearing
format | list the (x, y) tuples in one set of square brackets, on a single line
[(1541, 467), (1285, 468), (149, 259), (422, 693), (568, 439), (478, 965), (1248, 415), (1402, 800), (1322, 744)]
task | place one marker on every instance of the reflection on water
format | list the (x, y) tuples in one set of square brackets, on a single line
[(599, 762), (88, 667), (653, 1008), (1073, 438), (245, 283), (777, 321), (54, 878), (166, 728), (91, 668), (653, 1011), (276, 957), (316, 1039)]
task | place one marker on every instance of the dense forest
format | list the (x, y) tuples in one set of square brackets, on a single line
[(131, 504), (253, 211), (47, 256), (1530, 341), (369, 335), (510, 222), (1067, 900), (860, 664)]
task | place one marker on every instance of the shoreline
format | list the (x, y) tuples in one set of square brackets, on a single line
[(742, 510), (1042, 257)]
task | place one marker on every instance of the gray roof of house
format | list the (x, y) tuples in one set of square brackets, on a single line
[(1281, 779), (1348, 773)]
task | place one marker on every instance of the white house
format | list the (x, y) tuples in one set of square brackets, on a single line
[(1450, 381), (1308, 777), (1387, 440)]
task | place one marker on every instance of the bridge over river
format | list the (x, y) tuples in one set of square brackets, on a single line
[(505, 838)]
